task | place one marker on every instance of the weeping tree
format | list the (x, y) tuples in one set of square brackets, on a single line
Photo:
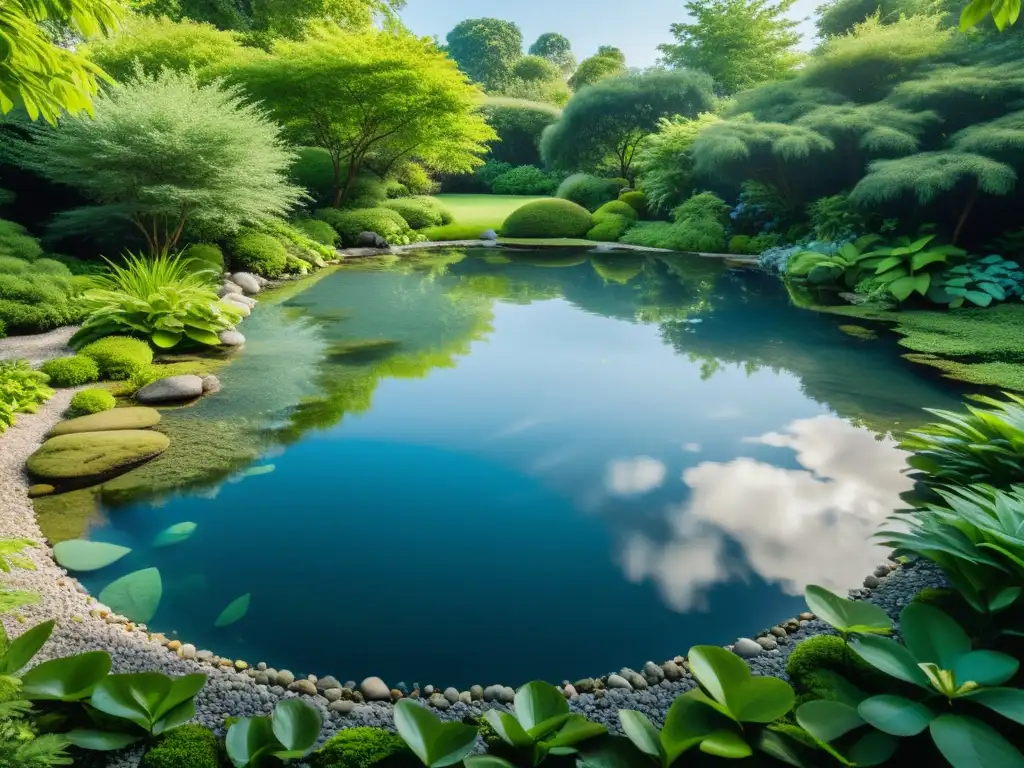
[(665, 161), (955, 178), (963, 95), (604, 126), (782, 101), (1001, 139)]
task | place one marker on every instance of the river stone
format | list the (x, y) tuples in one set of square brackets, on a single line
[(187, 651), (211, 385), (476, 692), (779, 632), (171, 389), (488, 234), (247, 282), (746, 648), (507, 695), (238, 298), (342, 707), (227, 287), (333, 694), (617, 681), (452, 694), (769, 643), (586, 685), (231, 338), (672, 671), (91, 454), (303, 686), (327, 683), (491, 692), (118, 418), (871, 581), (285, 678), (653, 673), (637, 681), (371, 240), (374, 689), (569, 691), (466, 697)]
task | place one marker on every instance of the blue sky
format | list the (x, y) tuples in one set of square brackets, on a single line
[(635, 26)]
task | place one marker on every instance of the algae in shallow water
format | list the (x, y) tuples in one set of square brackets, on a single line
[(68, 515), (859, 332)]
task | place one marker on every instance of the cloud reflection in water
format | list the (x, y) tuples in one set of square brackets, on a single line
[(794, 527)]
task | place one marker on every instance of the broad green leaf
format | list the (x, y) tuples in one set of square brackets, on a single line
[(888, 263), (248, 738), (24, 647), (1004, 599), (175, 534), (985, 668), (641, 732), (183, 688), (165, 339), (932, 636), (781, 747), (486, 761), (101, 741), (576, 730), (921, 260), (201, 336), (296, 725), (729, 744), (132, 697), (890, 657), (508, 728), (436, 744), (67, 679), (81, 555), (689, 720), (873, 748), (234, 612), (969, 743), (761, 700), (538, 701), (718, 670), (178, 715), (847, 615), (827, 720), (136, 595), (546, 727), (978, 298), (1008, 702), (895, 715)]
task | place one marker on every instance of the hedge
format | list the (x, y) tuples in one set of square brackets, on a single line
[(548, 218), (589, 191), (259, 253)]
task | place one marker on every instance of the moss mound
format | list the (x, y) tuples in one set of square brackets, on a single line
[(637, 201), (190, 746), (71, 371), (548, 218), (108, 421), (93, 454), (617, 208), (91, 401), (357, 748), (609, 228), (119, 357)]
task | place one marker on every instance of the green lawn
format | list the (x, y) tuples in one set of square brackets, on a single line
[(476, 213)]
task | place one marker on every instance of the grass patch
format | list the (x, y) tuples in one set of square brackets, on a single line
[(476, 213), (547, 242)]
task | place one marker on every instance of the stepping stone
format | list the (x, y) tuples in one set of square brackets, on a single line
[(94, 454), (118, 418)]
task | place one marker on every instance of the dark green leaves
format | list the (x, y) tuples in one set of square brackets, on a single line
[(829, 721), (288, 734), (21, 650), (537, 702), (932, 636), (67, 679), (435, 743), (296, 725), (895, 715), (890, 657), (969, 743), (847, 616), (152, 701)]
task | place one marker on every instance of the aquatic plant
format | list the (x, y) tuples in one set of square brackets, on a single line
[(289, 733)]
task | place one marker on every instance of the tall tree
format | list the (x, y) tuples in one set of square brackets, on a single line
[(375, 96), (739, 43), (557, 49), (607, 62), (486, 50), (38, 74), (604, 126)]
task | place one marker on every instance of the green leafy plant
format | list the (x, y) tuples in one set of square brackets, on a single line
[(288, 734), (847, 616), (190, 745), (72, 678), (542, 722), (158, 298), (908, 266), (978, 282), (435, 743), (22, 390), (16, 654), (71, 371), (722, 718), (952, 679), (825, 268), (119, 357)]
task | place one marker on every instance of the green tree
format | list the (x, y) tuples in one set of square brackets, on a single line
[(519, 125), (665, 161), (598, 68), (605, 125), (38, 74), (1004, 13), (531, 68), (963, 95), (486, 50), (740, 43), (164, 153), (557, 49), (369, 97), (611, 52), (839, 17)]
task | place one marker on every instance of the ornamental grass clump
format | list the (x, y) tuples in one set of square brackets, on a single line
[(160, 299)]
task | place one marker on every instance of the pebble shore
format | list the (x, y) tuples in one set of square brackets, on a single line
[(236, 690)]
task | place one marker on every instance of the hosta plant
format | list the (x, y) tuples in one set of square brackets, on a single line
[(725, 717), (956, 687), (907, 267), (435, 743), (842, 265), (542, 723), (159, 298), (288, 734), (978, 282)]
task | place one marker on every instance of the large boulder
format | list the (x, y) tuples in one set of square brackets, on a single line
[(249, 284), (173, 389), (371, 240), (488, 234), (231, 338), (95, 454), (118, 418), (238, 298)]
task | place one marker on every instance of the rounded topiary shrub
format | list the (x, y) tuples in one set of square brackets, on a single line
[(589, 191), (188, 746), (91, 401), (357, 748), (259, 253), (740, 244), (204, 257), (704, 205), (608, 228), (119, 357), (349, 224), (71, 371), (319, 231), (11, 265), (617, 208), (635, 200), (50, 267), (365, 192), (417, 213), (548, 218)]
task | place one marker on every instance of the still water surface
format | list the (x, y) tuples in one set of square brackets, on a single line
[(479, 469)]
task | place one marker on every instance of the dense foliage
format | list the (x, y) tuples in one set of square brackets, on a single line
[(557, 49), (22, 390), (548, 218), (487, 50), (605, 63)]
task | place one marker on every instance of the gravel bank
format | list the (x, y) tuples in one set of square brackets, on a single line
[(39, 348), (81, 627)]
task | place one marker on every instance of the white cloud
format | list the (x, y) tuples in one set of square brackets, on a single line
[(691, 447), (628, 477)]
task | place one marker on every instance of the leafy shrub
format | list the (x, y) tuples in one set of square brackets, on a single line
[(204, 258), (764, 241), (525, 180), (609, 228), (19, 317), (637, 201), (835, 218), (36, 296), (618, 208), (317, 230), (313, 170), (548, 218), (413, 178), (704, 205), (418, 213), (189, 746), (365, 192), (288, 733), (159, 298), (299, 244), (978, 282), (296, 266), (12, 265), (591, 192), (22, 390), (3, 330), (50, 267), (16, 241), (491, 170), (119, 357), (740, 244), (776, 258), (696, 235), (259, 253), (91, 401), (349, 224), (71, 371), (357, 748)]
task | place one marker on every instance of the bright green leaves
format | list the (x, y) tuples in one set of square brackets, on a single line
[(154, 702), (895, 715), (19, 652), (136, 595), (174, 534), (831, 721), (67, 679), (234, 612), (288, 734), (932, 636), (435, 743), (1004, 13), (847, 616), (735, 692)]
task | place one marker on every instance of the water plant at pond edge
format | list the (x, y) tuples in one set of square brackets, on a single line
[(287, 734)]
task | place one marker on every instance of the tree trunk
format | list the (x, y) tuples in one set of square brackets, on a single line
[(336, 164), (965, 213), (342, 192)]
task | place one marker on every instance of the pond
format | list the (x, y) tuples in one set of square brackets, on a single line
[(494, 466)]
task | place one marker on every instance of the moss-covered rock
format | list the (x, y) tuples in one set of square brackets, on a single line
[(190, 746), (95, 454), (357, 748), (108, 421)]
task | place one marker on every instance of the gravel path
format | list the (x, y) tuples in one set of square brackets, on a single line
[(83, 624), (39, 348)]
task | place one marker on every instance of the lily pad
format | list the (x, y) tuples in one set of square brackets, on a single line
[(264, 469), (136, 595), (234, 612), (82, 555), (175, 534)]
